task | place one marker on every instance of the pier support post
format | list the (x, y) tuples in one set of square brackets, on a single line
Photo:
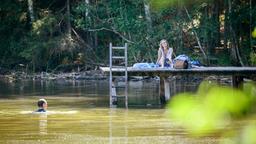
[(237, 81), (164, 90), (113, 101)]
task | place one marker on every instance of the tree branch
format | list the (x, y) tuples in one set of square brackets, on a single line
[(112, 30), (236, 47), (198, 40), (84, 43)]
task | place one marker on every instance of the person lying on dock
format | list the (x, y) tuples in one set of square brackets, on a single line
[(164, 54), (42, 105)]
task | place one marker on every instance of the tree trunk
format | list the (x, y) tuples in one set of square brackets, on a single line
[(236, 48), (31, 11), (32, 19), (251, 25), (95, 40), (226, 23), (148, 15), (68, 20), (235, 41), (179, 28), (214, 40), (87, 2), (217, 16)]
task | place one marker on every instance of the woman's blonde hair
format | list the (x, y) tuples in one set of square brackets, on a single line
[(162, 41)]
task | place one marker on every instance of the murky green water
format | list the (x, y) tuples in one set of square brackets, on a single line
[(141, 93), (78, 113), (71, 120)]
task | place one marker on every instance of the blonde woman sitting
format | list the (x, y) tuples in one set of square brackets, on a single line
[(164, 54)]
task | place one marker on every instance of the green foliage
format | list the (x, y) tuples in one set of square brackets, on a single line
[(211, 108), (224, 59), (245, 136), (45, 43), (164, 4), (254, 33), (253, 58)]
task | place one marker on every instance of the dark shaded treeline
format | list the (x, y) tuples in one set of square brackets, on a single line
[(44, 35)]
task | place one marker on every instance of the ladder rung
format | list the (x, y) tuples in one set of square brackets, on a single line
[(118, 57), (118, 47), (119, 76), (120, 87), (118, 96)]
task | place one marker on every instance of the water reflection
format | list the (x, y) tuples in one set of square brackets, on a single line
[(122, 130), (42, 124), (143, 93), (140, 92)]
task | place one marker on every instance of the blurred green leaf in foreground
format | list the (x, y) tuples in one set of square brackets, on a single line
[(212, 108)]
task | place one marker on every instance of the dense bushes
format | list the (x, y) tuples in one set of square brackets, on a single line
[(56, 35)]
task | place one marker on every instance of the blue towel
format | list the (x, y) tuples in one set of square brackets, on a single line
[(145, 65)]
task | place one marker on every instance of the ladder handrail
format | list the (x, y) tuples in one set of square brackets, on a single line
[(118, 57), (126, 77), (110, 75)]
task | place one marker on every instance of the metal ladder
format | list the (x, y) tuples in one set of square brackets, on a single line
[(122, 68)]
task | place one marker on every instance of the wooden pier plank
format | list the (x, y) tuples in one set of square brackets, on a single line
[(241, 71)]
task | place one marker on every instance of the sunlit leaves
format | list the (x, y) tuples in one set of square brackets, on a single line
[(45, 25), (190, 113), (162, 4), (248, 134), (37, 25), (245, 136), (253, 58), (227, 100), (211, 108), (254, 33), (158, 4)]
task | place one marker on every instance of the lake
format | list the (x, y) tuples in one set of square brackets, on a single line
[(78, 112)]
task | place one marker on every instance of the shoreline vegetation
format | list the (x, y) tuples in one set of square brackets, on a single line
[(86, 73), (13, 76), (51, 35)]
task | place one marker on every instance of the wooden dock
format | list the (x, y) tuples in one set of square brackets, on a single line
[(237, 73)]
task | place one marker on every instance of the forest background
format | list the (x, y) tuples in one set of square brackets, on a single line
[(61, 35)]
